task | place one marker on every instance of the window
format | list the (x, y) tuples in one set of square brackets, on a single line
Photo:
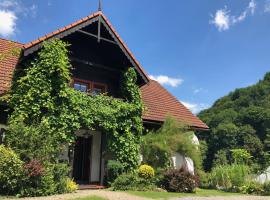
[(98, 89), (83, 87), (88, 86)]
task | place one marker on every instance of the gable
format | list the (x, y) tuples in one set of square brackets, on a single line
[(158, 101), (96, 26)]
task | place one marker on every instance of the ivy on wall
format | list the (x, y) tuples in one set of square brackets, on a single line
[(43, 97)]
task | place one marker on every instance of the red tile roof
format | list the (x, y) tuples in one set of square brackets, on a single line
[(158, 101), (159, 104), (8, 63)]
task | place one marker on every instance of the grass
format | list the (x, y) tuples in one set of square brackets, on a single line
[(90, 198), (167, 195)]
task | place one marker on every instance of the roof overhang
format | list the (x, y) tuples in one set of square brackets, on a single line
[(77, 26)]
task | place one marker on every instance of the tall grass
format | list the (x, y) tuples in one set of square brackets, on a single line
[(227, 177)]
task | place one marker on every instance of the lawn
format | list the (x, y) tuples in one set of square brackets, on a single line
[(167, 195), (90, 198)]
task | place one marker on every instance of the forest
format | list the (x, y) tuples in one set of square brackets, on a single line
[(240, 120)]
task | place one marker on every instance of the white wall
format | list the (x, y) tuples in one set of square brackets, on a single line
[(95, 155)]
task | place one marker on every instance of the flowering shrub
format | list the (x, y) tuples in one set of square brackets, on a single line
[(34, 168), (71, 186), (146, 171)]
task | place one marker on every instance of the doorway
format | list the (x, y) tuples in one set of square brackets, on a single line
[(82, 159)]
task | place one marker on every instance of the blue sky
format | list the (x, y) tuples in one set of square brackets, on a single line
[(198, 49)]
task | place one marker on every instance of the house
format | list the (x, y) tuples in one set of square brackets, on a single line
[(98, 55)]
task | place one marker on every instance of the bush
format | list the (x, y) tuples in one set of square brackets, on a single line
[(114, 169), (266, 188), (11, 171), (37, 184), (204, 179), (71, 186), (229, 177), (179, 181), (146, 172), (44, 180), (252, 188), (133, 182), (158, 147), (60, 176)]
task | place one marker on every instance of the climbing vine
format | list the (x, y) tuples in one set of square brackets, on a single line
[(43, 96)]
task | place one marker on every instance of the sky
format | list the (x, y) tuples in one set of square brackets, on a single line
[(200, 50)]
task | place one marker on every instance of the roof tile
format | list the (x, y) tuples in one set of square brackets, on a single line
[(159, 104)]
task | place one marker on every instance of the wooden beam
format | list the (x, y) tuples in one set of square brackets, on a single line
[(99, 27), (95, 65), (95, 36)]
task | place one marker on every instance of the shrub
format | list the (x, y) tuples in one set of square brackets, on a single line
[(179, 181), (228, 177), (11, 171), (252, 188), (266, 188), (204, 179), (71, 186), (114, 169), (146, 172), (240, 156), (45, 179), (159, 146), (60, 175), (39, 185), (132, 181)]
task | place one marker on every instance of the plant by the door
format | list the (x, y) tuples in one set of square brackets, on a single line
[(46, 112)]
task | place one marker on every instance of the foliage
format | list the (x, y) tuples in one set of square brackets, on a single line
[(204, 179), (11, 171), (71, 186), (159, 146), (240, 156), (220, 158), (33, 142), (266, 188), (240, 120), (42, 101), (146, 172), (40, 185), (179, 181), (252, 187), (43, 180), (114, 169), (132, 181), (228, 177)]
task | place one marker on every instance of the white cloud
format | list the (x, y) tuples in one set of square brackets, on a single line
[(10, 11), (165, 80), (198, 90), (267, 6), (223, 20), (195, 108), (7, 23)]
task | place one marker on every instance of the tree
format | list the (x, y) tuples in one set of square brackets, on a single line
[(241, 119)]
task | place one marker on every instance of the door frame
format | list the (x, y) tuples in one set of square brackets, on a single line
[(84, 153)]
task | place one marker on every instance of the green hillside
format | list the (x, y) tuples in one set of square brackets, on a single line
[(239, 120)]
